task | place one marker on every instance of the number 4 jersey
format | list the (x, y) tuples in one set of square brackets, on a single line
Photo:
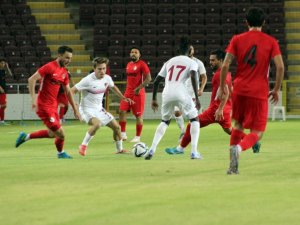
[(253, 51), (176, 72)]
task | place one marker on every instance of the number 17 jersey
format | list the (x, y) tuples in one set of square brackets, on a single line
[(176, 72)]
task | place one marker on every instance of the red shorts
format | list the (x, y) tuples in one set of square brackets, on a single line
[(251, 113), (208, 117), (50, 118), (137, 108), (62, 98), (2, 99)]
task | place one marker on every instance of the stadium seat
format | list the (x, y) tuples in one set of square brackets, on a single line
[(149, 40), (149, 9), (117, 29), (197, 9), (181, 19), (166, 40), (116, 40), (133, 9), (101, 30), (181, 9), (133, 30), (117, 9), (149, 19), (133, 39), (133, 19), (280, 109), (149, 30), (148, 51), (165, 8), (166, 19), (164, 29), (116, 63), (102, 9), (117, 19), (101, 19), (11, 51), (116, 51)]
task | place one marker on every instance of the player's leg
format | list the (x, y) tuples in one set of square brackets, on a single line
[(166, 111), (180, 121), (2, 108), (138, 111), (123, 109), (117, 136)]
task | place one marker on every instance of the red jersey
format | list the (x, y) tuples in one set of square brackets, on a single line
[(52, 77), (253, 51), (136, 73), (216, 85)]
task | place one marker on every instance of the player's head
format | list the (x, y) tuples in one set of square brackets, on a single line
[(135, 54), (191, 51), (100, 65), (65, 54), (184, 46), (2, 63), (216, 58), (255, 17)]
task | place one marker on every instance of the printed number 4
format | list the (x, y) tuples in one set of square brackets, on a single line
[(171, 70)]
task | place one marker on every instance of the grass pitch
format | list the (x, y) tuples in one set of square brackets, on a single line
[(36, 188)]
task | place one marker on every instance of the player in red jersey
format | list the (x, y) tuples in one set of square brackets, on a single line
[(62, 99), (52, 75), (253, 51), (138, 76), (4, 69)]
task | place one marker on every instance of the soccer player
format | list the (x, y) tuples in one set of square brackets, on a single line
[(176, 72), (93, 87), (138, 76), (4, 69), (202, 76), (63, 102), (51, 75), (253, 51), (219, 110)]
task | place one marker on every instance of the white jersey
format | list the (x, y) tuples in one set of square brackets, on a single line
[(176, 72), (93, 90), (201, 70)]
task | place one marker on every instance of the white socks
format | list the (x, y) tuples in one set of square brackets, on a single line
[(195, 131), (87, 139), (119, 145), (159, 133), (180, 123)]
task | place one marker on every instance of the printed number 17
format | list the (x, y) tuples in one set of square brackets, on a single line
[(171, 70)]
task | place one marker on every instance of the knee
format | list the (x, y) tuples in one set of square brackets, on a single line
[(177, 113)]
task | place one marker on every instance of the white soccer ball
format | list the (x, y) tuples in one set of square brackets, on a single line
[(139, 149)]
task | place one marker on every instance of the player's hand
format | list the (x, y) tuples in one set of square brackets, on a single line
[(154, 105), (198, 104), (219, 115), (129, 100), (200, 92), (77, 115), (273, 96), (2, 91)]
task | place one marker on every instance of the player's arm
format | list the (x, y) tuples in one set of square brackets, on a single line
[(121, 96), (143, 84), (31, 87), (1, 90), (194, 78), (274, 94), (219, 112), (154, 104), (69, 93), (74, 90), (8, 69), (203, 81), (224, 70)]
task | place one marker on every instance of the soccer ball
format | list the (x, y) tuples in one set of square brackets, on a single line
[(139, 149)]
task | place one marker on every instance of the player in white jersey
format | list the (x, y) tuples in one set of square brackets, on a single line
[(93, 87), (201, 75), (176, 72)]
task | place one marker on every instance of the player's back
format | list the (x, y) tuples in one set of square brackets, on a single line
[(253, 50), (176, 72)]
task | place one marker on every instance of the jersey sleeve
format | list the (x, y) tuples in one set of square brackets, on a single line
[(163, 71), (82, 85), (194, 66), (111, 83), (201, 67), (45, 69), (231, 47), (275, 49), (145, 68)]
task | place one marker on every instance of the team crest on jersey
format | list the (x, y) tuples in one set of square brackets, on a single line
[(52, 119), (64, 76), (135, 68)]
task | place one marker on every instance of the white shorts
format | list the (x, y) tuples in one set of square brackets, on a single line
[(186, 106), (88, 113)]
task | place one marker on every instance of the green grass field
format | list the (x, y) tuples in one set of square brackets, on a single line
[(36, 188)]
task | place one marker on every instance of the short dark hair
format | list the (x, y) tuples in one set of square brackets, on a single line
[(219, 53), (255, 17), (62, 49), (184, 45), (135, 47), (100, 60)]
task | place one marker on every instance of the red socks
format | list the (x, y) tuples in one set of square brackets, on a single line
[(2, 113), (138, 130), (39, 134), (186, 139), (236, 136), (248, 141), (122, 125), (59, 143)]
